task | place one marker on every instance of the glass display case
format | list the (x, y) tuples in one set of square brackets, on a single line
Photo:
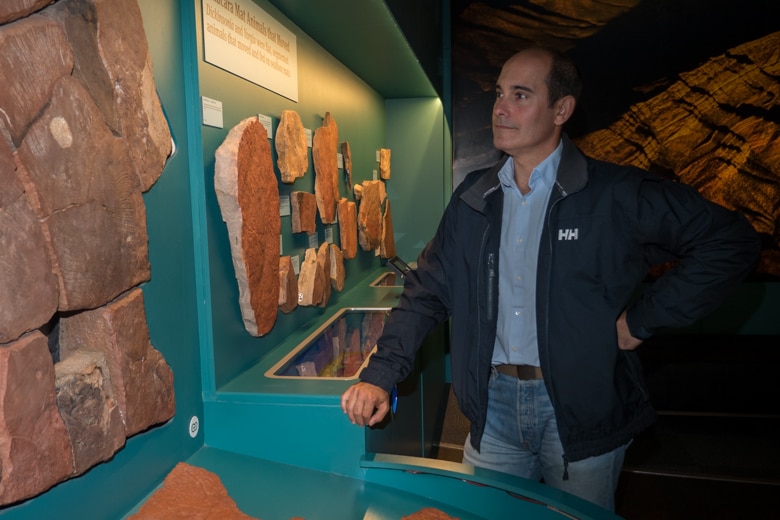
[(339, 349)]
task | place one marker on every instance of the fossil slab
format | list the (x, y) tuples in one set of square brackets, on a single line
[(86, 192), (86, 403), (387, 241), (288, 285), (141, 380), (337, 271), (384, 164), (24, 89), (312, 280), (303, 212), (326, 168), (348, 227), (248, 197), (35, 451), (369, 219), (11, 10), (24, 257), (323, 264), (291, 148)]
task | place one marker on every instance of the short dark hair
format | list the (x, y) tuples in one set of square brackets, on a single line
[(564, 78)]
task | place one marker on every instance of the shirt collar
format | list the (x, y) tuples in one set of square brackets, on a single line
[(545, 172)]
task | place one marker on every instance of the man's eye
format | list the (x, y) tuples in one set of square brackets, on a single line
[(499, 94)]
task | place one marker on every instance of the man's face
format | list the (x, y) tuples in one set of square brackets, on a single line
[(524, 123)]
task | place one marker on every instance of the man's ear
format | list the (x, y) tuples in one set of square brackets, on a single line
[(564, 108)]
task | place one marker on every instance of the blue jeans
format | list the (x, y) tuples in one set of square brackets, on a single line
[(521, 438)]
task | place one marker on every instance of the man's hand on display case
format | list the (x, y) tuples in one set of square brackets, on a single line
[(365, 404)]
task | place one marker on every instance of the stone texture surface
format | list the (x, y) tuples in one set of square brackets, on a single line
[(30, 70), (303, 212), (387, 241), (190, 492), (86, 404), (348, 228), (370, 329), (312, 280), (323, 264), (291, 148), (384, 163), (35, 450), (141, 380), (125, 57), (24, 259), (248, 197), (82, 135), (325, 146), (353, 357), (716, 129), (346, 157), (337, 271), (82, 180), (11, 10), (288, 285), (369, 219)]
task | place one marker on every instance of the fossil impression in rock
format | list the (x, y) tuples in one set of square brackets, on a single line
[(288, 285), (312, 280), (326, 168), (248, 197), (369, 220), (387, 241), (348, 227), (384, 164), (303, 212), (291, 148)]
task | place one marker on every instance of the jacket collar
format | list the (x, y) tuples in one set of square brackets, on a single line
[(571, 177)]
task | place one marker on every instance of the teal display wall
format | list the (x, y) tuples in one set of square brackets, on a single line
[(414, 129)]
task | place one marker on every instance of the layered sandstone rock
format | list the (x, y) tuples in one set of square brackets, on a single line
[(303, 212), (86, 402), (288, 285), (727, 146), (248, 197), (291, 148), (190, 492), (326, 168), (312, 280), (348, 228), (141, 381), (369, 219), (387, 242), (35, 450), (384, 164), (337, 271)]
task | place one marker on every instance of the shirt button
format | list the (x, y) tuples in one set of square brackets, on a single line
[(514, 349), (520, 240), (517, 313), (518, 277)]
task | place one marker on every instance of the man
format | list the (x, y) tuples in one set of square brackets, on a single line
[(538, 261)]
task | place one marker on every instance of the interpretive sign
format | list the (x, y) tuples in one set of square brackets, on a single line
[(240, 37)]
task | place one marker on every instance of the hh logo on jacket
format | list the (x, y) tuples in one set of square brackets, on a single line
[(568, 234)]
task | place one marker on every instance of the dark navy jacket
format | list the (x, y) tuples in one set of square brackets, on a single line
[(605, 226)]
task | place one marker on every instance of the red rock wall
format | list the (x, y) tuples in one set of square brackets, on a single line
[(81, 138)]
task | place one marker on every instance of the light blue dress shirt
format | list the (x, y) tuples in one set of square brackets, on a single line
[(521, 231)]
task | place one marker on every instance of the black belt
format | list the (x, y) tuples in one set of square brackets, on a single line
[(523, 372)]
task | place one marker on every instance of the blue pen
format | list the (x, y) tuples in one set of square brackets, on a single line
[(394, 399)]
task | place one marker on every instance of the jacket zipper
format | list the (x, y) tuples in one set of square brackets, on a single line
[(491, 265)]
